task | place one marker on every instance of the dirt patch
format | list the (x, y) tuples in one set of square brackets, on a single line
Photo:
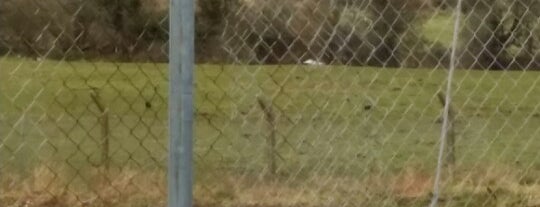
[(413, 184)]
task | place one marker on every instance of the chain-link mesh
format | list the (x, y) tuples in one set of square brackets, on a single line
[(298, 102), (83, 103)]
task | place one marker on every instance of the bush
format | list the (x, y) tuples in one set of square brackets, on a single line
[(77, 29), (36, 28), (500, 34)]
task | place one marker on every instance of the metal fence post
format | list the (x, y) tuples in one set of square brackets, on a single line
[(181, 65)]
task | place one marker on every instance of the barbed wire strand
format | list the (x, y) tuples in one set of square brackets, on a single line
[(445, 125)]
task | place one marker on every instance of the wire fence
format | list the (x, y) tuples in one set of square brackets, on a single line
[(297, 103)]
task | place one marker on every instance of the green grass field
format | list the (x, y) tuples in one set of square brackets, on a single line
[(333, 123)]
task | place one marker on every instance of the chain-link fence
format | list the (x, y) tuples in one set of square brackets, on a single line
[(297, 102), (83, 103)]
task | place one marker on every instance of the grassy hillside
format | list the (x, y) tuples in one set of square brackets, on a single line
[(334, 124)]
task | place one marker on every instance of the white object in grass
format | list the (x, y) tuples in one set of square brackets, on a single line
[(313, 62)]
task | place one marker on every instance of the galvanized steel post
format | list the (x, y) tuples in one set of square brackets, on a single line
[(181, 67)]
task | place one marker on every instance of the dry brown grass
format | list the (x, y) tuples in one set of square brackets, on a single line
[(47, 188), (489, 186)]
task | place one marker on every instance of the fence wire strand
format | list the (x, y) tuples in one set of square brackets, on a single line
[(446, 112)]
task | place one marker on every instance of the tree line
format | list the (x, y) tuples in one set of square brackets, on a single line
[(496, 34), (92, 29)]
